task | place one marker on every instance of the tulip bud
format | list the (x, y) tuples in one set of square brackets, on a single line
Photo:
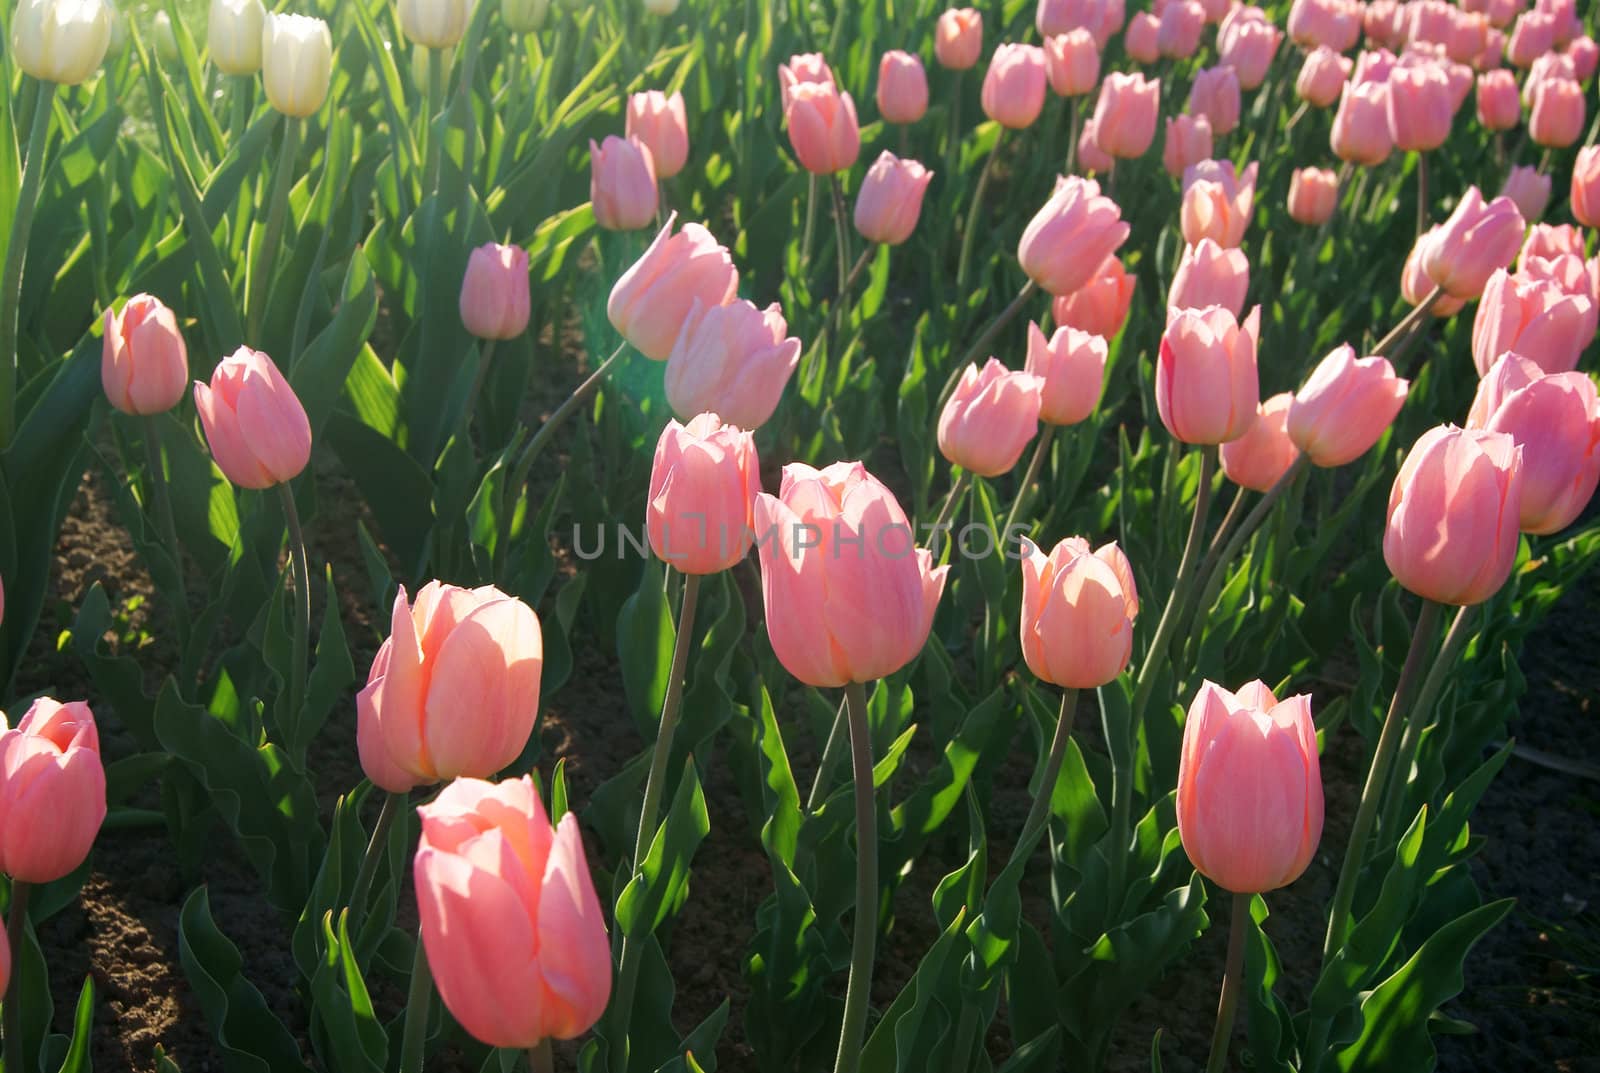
[(165, 38), (1092, 159), (1345, 407), (1209, 275), (1072, 60), (1240, 751), (454, 689), (1473, 243), (514, 933), (1360, 132), (1533, 36), (1498, 108), (1421, 106), (1533, 317), (1511, 372), (622, 184), (1178, 35), (823, 128), (1142, 40), (653, 299), (1415, 286), (1053, 18), (1248, 46), (1078, 610), (52, 791), (848, 597), (660, 8), (524, 16), (806, 67), (1100, 306), (890, 199), (1585, 56), (1528, 190), (1552, 66), (1215, 95), (1558, 113), (296, 63), (434, 23), (1322, 77), (1217, 202), (494, 292), (1259, 458), (902, 87), (1014, 86), (1068, 240), (1586, 186), (1188, 142), (731, 360), (62, 41), (704, 480), (1453, 514), (258, 431), (1070, 367), (990, 418), (1555, 422), (1125, 114), (1313, 196), (1206, 383), (1549, 241), (958, 39), (144, 365), (659, 122), (234, 35)]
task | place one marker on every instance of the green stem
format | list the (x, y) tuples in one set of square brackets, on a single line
[(559, 417), (1075, 131), (1228, 1003), (1231, 537), (17, 255), (1007, 315), (1412, 318), (540, 1059), (430, 178), (969, 236), (392, 804), (830, 756), (485, 356), (239, 103), (953, 137), (958, 492), (1422, 193), (272, 237), (857, 993), (811, 222), (162, 501), (841, 231), (16, 930), (1039, 813), (1040, 449), (1390, 820), (419, 1003), (836, 316), (302, 609)]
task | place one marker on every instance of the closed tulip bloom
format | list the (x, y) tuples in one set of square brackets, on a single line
[(1014, 87), (1125, 114), (494, 292), (1068, 240), (1099, 307), (1510, 373), (1217, 202), (990, 418), (1142, 40), (1552, 65), (889, 202), (1091, 158), (703, 483), (1313, 196), (1382, 23), (1071, 368), (1178, 36), (653, 299), (233, 35), (1453, 515), (1415, 286), (808, 67), (958, 39), (1498, 108), (454, 689), (659, 122), (1215, 95), (732, 360), (514, 933), (1548, 241), (1209, 275), (902, 87), (1586, 186), (1072, 60), (1206, 383), (1533, 36), (1187, 143), (1555, 421), (1345, 407), (1078, 609), (1585, 56), (1558, 113), (1373, 67), (1419, 107), (1533, 317), (1261, 456), (52, 791), (1575, 277), (257, 429), (1334, 23), (524, 16), (660, 8), (296, 63), (622, 184), (1249, 50), (1469, 36), (62, 41), (1478, 239), (823, 128), (1250, 804), (434, 23), (1322, 77), (848, 597), (1528, 190), (1055, 17), (144, 365)]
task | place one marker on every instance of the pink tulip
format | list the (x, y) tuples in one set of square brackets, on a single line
[(703, 484), (1092, 159), (1068, 240), (1261, 456), (622, 184), (1187, 143), (1548, 241), (495, 303), (958, 39), (660, 123), (649, 304), (1217, 202), (1125, 114), (1555, 420), (1415, 286), (732, 360), (1113, 14), (1209, 275), (1535, 318), (1078, 609), (1497, 100), (1099, 307), (1334, 23), (1142, 40), (1071, 368), (1552, 66), (1053, 18), (1360, 132), (1072, 60), (1558, 113), (1528, 190), (52, 791), (1532, 37), (1453, 513), (806, 68), (1493, 52), (257, 429), (1585, 56), (1501, 12), (1178, 36), (902, 88), (1431, 21), (1014, 86), (1215, 95), (1473, 243), (1382, 23), (514, 932), (1322, 77), (1510, 373), (1469, 36), (890, 199), (1345, 407), (990, 418), (1248, 46), (848, 597), (1586, 186), (1564, 13), (454, 689), (144, 365), (1250, 804), (1313, 196), (823, 128), (1420, 107), (1373, 67), (1206, 383)]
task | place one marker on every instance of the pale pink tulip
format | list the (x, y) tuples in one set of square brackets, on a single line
[(732, 360), (1070, 366), (1206, 383), (1345, 407), (1078, 609)]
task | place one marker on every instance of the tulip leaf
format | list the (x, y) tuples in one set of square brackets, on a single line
[(399, 491), (912, 1032), (1269, 1022), (331, 675), (645, 638), (344, 1026), (117, 677), (76, 1059), (661, 881), (323, 369)]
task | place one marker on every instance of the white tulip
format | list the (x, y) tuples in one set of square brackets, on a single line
[(234, 35), (524, 16), (296, 62), (434, 23), (60, 41)]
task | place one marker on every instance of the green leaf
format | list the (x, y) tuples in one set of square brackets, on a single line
[(913, 1026), (77, 1059), (355, 1039), (661, 882), (323, 369), (645, 638)]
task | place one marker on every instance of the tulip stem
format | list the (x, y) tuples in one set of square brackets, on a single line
[(1040, 449), (485, 356), (239, 101), (17, 255), (1039, 813), (811, 222), (430, 179), (161, 500), (302, 608), (272, 237), (419, 1003), (841, 232), (392, 804), (857, 992), (952, 501), (830, 757), (1411, 320), (1228, 1003), (1422, 192), (1377, 778), (540, 1060), (1074, 132), (969, 236), (16, 929), (1007, 315), (953, 138)]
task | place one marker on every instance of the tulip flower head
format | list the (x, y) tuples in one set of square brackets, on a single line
[(732, 360), (258, 431), (1100, 307), (991, 416), (61, 41), (495, 303), (1078, 610), (1217, 202), (144, 365), (889, 202), (653, 299), (296, 63), (1207, 388), (659, 122), (958, 39), (703, 484), (1014, 86), (902, 87), (1259, 458), (622, 184), (1125, 114), (1209, 275), (1345, 407), (233, 35), (1187, 143), (1068, 240), (823, 128), (1478, 239), (52, 791), (434, 23), (1070, 366)]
